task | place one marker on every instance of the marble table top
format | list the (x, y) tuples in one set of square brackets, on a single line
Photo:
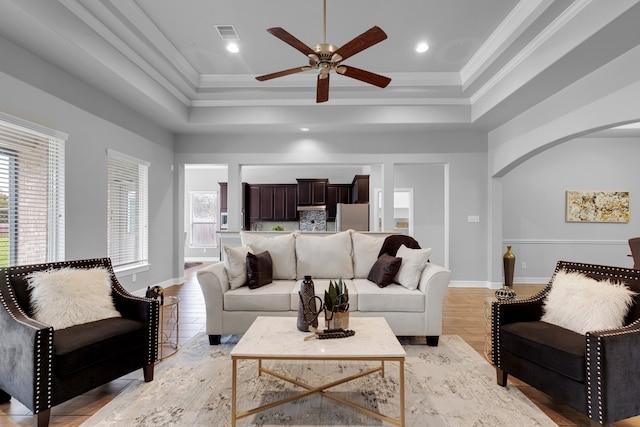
[(278, 337)]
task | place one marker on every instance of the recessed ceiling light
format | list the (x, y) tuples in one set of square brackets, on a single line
[(304, 129), (233, 48), (422, 47)]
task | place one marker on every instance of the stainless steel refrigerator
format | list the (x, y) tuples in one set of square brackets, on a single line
[(352, 217)]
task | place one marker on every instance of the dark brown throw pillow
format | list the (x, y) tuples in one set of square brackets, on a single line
[(259, 269), (384, 270)]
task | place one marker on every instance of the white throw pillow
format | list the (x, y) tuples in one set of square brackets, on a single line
[(365, 253), (235, 263), (281, 248), (413, 262), (581, 304), (324, 257), (71, 296)]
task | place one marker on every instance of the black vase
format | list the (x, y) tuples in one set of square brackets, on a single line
[(307, 311)]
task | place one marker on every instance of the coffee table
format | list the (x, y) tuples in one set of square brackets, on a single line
[(277, 338)]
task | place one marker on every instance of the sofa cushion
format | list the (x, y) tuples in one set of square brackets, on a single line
[(384, 270), (365, 253), (413, 262), (282, 251), (259, 269), (583, 304), (71, 296), (321, 285), (390, 298), (544, 344), (235, 264), (324, 257), (275, 296), (78, 347)]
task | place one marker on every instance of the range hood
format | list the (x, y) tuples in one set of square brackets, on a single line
[(312, 208)]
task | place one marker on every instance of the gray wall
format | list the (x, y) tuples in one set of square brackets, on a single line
[(85, 163), (534, 205)]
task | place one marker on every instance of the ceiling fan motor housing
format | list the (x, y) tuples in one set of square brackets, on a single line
[(324, 57)]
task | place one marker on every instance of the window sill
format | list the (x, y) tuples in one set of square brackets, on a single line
[(128, 270)]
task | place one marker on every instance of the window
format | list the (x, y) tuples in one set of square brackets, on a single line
[(31, 193), (127, 211), (204, 208)]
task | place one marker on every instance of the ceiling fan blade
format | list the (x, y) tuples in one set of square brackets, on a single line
[(322, 91), (283, 73), (363, 41), (364, 76), (289, 39)]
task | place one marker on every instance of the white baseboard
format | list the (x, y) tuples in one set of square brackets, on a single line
[(166, 284), (471, 284), (498, 285)]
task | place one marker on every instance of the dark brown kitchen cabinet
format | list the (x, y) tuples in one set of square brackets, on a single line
[(223, 196), (273, 202), (285, 202), (266, 202), (360, 189), (312, 192), (254, 203), (337, 193)]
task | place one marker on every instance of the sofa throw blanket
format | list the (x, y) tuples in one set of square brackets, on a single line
[(392, 243)]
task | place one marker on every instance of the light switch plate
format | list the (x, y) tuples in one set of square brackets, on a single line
[(473, 218)]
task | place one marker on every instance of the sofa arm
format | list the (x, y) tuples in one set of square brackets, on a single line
[(26, 350), (434, 282), (214, 282), (613, 370)]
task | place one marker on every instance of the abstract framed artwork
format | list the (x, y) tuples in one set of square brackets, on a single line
[(598, 206)]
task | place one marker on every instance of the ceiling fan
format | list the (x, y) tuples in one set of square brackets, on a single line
[(325, 57)]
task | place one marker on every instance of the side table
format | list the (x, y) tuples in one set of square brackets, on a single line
[(168, 332)]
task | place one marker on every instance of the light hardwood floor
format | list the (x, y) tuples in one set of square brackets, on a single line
[(464, 315)]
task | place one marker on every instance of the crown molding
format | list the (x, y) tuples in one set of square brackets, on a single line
[(377, 101), (518, 20)]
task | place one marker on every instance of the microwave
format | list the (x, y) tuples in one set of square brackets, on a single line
[(223, 221)]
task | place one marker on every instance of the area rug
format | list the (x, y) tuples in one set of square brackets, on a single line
[(448, 385), (188, 265)]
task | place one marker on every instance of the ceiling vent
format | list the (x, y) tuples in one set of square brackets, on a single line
[(227, 32)]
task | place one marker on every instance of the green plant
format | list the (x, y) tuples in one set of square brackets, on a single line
[(277, 228), (336, 299)]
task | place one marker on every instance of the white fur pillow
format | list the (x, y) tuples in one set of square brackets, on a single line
[(581, 304), (413, 262), (71, 296), (235, 263), (365, 253), (281, 248)]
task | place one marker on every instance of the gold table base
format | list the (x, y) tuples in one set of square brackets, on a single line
[(322, 389)]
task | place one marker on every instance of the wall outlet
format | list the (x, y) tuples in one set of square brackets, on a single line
[(524, 265), (133, 277)]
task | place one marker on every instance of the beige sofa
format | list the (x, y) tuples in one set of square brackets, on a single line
[(231, 307)]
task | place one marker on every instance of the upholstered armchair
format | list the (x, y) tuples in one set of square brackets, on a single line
[(597, 373), (42, 366)]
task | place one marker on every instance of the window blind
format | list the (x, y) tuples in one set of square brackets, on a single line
[(31, 193), (127, 210)]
